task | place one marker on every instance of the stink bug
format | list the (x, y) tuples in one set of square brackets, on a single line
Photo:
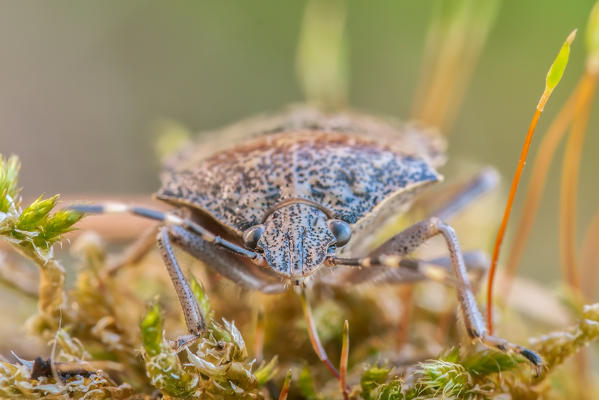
[(281, 201)]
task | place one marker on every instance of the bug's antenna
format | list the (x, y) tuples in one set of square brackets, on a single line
[(166, 217), (112, 208)]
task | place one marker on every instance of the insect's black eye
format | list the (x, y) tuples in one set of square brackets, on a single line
[(341, 230), (252, 235)]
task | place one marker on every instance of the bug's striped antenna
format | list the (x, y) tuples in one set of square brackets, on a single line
[(167, 218)]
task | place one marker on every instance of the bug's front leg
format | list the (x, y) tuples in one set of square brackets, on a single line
[(391, 253), (194, 319), (222, 260)]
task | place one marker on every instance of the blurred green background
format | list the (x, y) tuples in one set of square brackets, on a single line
[(82, 84)]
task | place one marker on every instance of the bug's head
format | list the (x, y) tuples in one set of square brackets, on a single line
[(296, 239)]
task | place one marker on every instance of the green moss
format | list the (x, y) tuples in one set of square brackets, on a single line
[(163, 366)]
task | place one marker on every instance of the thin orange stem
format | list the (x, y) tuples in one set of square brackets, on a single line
[(259, 336), (538, 178), (451, 52), (285, 388), (589, 258), (343, 361), (506, 214), (406, 296), (569, 185), (314, 339)]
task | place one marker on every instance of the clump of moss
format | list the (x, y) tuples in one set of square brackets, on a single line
[(556, 347), (219, 366), (70, 376), (33, 231), (450, 376)]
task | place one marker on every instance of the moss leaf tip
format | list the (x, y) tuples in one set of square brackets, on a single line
[(556, 71)]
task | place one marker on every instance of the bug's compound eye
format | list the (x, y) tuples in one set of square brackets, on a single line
[(341, 230), (252, 235)]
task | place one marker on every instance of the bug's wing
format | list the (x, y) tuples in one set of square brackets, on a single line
[(410, 138)]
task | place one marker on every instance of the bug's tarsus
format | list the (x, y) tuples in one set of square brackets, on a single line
[(507, 347), (534, 358), (182, 342)]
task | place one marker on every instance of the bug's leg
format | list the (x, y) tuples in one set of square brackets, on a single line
[(230, 260), (411, 271), (223, 261), (194, 319), (395, 249), (468, 193), (241, 270), (134, 252)]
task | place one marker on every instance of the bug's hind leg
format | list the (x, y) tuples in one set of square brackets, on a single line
[(468, 193), (134, 252), (395, 249)]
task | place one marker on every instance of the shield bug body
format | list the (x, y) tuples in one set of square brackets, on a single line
[(282, 201)]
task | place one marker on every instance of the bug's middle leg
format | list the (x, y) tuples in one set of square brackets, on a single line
[(133, 253), (411, 270), (391, 253)]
